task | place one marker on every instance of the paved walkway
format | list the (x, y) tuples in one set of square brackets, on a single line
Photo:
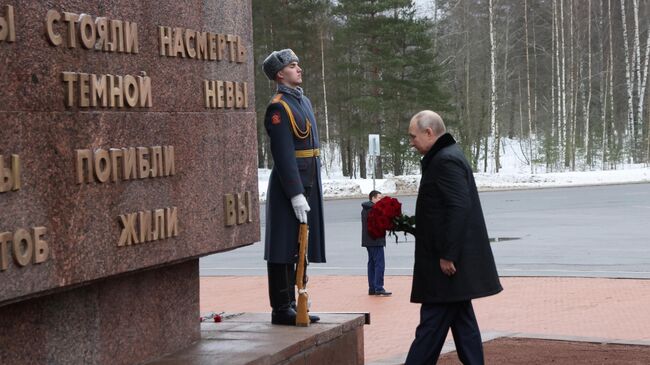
[(613, 309)]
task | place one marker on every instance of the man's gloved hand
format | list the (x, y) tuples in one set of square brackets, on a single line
[(300, 207)]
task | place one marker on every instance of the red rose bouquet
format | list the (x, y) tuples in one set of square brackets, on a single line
[(386, 215)]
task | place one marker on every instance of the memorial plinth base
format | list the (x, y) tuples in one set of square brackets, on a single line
[(251, 339), (126, 320)]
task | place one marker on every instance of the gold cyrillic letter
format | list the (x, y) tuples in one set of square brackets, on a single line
[(128, 235), (69, 78), (102, 165), (168, 156), (144, 84), (41, 248), (53, 17), (84, 158), (165, 37), (71, 19), (159, 224), (210, 94), (242, 209), (86, 24), (171, 221), (202, 45), (229, 94), (144, 169), (116, 98), (229, 210), (131, 37), (84, 90), (5, 238), (145, 225), (102, 43), (129, 169), (117, 36), (22, 252), (115, 154), (156, 161), (131, 93), (98, 90)]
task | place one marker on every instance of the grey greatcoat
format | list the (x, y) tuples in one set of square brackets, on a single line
[(450, 225), (290, 176)]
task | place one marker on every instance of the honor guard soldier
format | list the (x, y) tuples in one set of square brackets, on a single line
[(294, 194)]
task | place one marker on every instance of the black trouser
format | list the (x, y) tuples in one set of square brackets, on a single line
[(282, 281), (435, 321)]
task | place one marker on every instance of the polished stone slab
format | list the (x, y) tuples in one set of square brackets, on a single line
[(251, 339)]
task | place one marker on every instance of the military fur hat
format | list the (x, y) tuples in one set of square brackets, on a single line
[(276, 61)]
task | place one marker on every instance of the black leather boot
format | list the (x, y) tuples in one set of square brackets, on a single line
[(284, 316), (312, 318)]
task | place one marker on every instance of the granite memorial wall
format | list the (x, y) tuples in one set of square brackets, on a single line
[(128, 151)]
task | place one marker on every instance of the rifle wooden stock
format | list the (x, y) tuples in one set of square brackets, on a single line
[(302, 317)]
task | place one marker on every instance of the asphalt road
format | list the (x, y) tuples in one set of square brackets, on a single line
[(599, 231)]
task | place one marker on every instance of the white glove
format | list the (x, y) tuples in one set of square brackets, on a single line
[(300, 207)]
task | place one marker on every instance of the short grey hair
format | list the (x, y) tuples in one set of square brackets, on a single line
[(430, 119)]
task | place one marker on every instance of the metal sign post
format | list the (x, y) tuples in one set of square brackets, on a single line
[(373, 151)]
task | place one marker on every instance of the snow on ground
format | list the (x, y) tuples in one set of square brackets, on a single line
[(514, 174), (408, 184)]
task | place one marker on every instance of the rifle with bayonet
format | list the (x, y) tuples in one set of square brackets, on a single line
[(302, 316)]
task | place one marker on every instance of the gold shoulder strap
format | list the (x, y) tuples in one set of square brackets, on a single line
[(296, 131)]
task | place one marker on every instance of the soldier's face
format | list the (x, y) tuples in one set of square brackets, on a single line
[(291, 75)]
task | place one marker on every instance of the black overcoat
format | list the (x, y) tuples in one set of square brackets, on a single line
[(450, 225), (291, 176)]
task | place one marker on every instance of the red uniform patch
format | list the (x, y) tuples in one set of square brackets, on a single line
[(275, 118)]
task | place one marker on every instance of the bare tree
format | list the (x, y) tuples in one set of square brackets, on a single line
[(528, 92), (629, 83), (587, 103), (493, 89)]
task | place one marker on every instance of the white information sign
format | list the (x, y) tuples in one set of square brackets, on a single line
[(373, 145)]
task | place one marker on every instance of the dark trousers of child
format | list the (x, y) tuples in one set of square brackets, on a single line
[(376, 266)]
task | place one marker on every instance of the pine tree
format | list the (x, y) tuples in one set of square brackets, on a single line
[(386, 72)]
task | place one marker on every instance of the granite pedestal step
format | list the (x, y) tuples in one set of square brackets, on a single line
[(251, 339)]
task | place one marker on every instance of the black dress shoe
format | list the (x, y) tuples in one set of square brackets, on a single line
[(313, 318), (383, 293), (286, 317), (371, 292)]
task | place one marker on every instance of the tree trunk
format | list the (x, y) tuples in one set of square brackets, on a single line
[(531, 158), (643, 74), (562, 87), (555, 84), (493, 90), (570, 159), (322, 60), (610, 74), (587, 105), (629, 86), (637, 78)]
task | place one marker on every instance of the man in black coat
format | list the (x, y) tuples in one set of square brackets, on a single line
[(294, 194), (375, 247), (453, 259)]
